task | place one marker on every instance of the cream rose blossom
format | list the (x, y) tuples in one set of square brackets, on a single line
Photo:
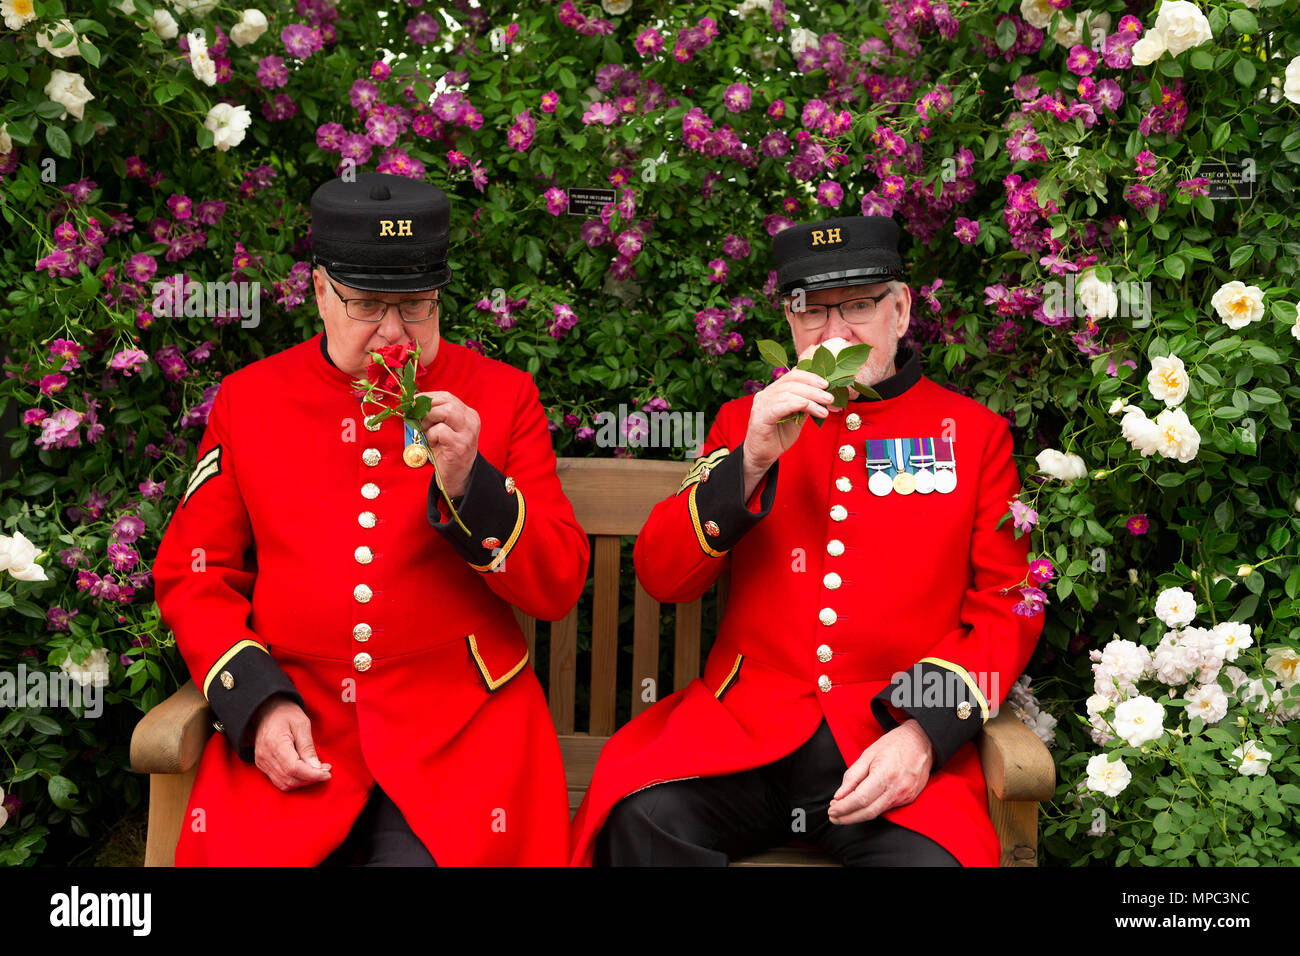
[(1291, 86), (1061, 466), (93, 670), (1177, 437), (1238, 304), (1037, 13), (1168, 380), (1285, 663), (1098, 297), (1108, 776), (1183, 25), (18, 556), (1254, 759), (17, 13), (1175, 607), (162, 23), (1208, 702), (250, 26), (1139, 720), (200, 62), (228, 124), (69, 91), (46, 36), (1149, 48)]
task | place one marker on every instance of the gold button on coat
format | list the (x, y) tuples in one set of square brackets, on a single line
[(963, 710), (362, 593), (366, 519), (371, 456), (227, 681), (362, 661), (361, 632), (824, 653), (835, 547), (853, 422), (363, 555), (510, 485), (827, 616), (843, 484), (832, 581), (371, 424), (839, 512), (846, 453), (824, 683), (370, 490)]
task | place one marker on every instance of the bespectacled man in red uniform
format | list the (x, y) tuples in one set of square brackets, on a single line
[(869, 630), (358, 649)]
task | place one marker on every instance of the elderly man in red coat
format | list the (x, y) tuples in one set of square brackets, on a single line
[(872, 624), (357, 647)]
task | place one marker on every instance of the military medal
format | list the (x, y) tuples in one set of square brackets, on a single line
[(878, 463), (904, 482), (416, 452), (945, 466), (923, 458)]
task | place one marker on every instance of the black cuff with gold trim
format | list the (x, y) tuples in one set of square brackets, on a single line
[(492, 508), (943, 698), (238, 684), (717, 504)]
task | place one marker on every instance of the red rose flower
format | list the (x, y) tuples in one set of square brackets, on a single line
[(389, 374)]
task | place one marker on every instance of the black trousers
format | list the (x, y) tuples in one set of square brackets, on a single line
[(710, 820), (380, 837)]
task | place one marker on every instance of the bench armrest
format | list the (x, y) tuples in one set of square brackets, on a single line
[(170, 738), (1017, 764)]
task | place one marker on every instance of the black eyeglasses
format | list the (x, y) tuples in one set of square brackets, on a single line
[(854, 311), (372, 310)]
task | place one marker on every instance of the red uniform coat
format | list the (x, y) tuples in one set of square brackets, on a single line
[(844, 606), (307, 558)]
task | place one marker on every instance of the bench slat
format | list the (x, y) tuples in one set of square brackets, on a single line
[(645, 649), (564, 670), (686, 644), (604, 635), (615, 495)]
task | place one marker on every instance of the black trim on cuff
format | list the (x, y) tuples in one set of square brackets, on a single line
[(486, 509), (932, 695), (255, 678), (721, 499)]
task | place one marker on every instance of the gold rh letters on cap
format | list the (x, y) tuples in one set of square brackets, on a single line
[(826, 237), (817, 237), (403, 227), (386, 228)]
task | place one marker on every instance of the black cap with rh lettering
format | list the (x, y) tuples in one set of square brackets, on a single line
[(382, 233), (853, 250)]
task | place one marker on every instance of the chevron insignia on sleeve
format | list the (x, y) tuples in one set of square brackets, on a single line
[(701, 467), (205, 469)]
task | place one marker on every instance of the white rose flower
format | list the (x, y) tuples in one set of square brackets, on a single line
[(1254, 759), (1183, 25), (1253, 690), (69, 91), (1069, 31), (1149, 48), (1177, 438), (1098, 297), (1230, 638), (93, 670), (1203, 653), (250, 26), (1238, 304), (1037, 13), (835, 346), (801, 39), (1116, 407), (200, 8), (1175, 607), (1108, 776), (1132, 575), (1120, 662), (1236, 675), (1172, 662), (1285, 663), (6, 143), (4, 814), (1291, 88), (46, 36), (228, 124), (18, 556), (163, 24), (1253, 4), (17, 13), (1061, 466), (750, 7), (1295, 329), (1139, 431), (200, 62), (1168, 380), (616, 7), (1208, 702), (1139, 720)]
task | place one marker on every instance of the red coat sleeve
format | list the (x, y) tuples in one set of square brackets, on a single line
[(523, 536), (960, 683), (203, 577), (684, 544)]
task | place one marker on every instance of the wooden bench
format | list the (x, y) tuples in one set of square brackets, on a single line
[(611, 498)]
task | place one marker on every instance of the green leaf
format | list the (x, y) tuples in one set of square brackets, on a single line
[(89, 52), (823, 362), (773, 353), (1240, 255), (1244, 71), (1243, 21), (57, 138), (1221, 135), (42, 724), (1006, 35), (1201, 60), (61, 792), (420, 407), (850, 359), (1175, 267)]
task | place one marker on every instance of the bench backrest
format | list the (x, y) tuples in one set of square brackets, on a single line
[(612, 498)]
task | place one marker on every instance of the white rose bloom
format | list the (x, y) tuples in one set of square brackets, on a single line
[(801, 39), (1061, 466), (1168, 380), (1202, 651), (93, 670), (200, 8), (1097, 705), (18, 556), (1182, 24), (1285, 663), (1177, 438), (228, 124), (1295, 329), (17, 13), (1175, 607), (1230, 638), (69, 91), (835, 346), (1172, 662), (1254, 691), (1116, 407), (163, 24), (46, 36), (1120, 662), (6, 143), (1149, 48), (1139, 431), (1098, 297), (1108, 776), (1254, 759), (1236, 675), (250, 26), (1139, 720), (1238, 304), (1208, 702), (1070, 31), (1253, 4), (616, 7), (4, 815), (750, 7), (1037, 13), (200, 62), (1132, 575), (1291, 89)]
